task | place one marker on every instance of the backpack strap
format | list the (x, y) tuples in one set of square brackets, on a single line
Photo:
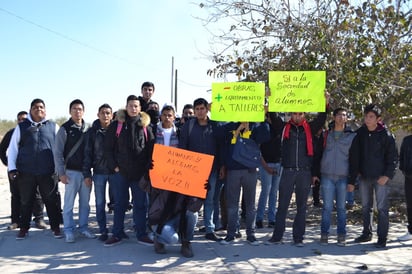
[(119, 128)]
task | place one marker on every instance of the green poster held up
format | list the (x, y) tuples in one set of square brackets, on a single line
[(302, 91), (238, 102)]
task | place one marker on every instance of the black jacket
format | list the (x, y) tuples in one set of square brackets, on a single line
[(4, 145), (294, 151), (131, 151), (374, 153), (405, 158), (94, 151)]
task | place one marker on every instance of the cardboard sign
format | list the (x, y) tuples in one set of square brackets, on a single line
[(180, 170), (238, 102), (297, 91)]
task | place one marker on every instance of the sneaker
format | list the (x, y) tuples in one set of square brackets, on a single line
[(299, 243), (186, 249), (13, 226), (259, 224), (112, 241), (363, 238), (23, 233), (381, 243), (406, 237), (57, 233), (349, 206), (145, 240), (88, 234), (272, 241), (252, 240), (238, 235), (159, 247), (40, 224), (212, 237), (228, 240), (69, 238), (341, 240), (103, 237), (324, 239), (271, 225)]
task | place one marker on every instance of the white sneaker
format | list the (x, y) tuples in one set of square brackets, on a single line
[(406, 237), (88, 234)]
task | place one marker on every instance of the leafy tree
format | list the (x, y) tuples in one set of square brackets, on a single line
[(365, 48)]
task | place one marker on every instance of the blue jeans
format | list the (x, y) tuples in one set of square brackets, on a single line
[(216, 203), (76, 186), (171, 229), (333, 189), (367, 187), (208, 207), (236, 180), (140, 206), (269, 189), (300, 182), (100, 181)]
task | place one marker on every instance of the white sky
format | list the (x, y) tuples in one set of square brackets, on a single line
[(118, 44)]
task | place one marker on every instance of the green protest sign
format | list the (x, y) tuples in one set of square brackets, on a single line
[(302, 91), (238, 102)]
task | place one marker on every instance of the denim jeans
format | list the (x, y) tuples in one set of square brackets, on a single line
[(100, 182), (367, 188), (300, 181), (269, 189), (76, 186), (208, 207), (170, 231), (140, 206), (333, 189), (236, 180), (216, 203)]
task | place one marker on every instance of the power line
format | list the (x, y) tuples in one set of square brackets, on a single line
[(64, 36)]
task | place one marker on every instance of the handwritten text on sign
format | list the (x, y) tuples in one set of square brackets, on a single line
[(238, 102), (180, 170), (302, 91)]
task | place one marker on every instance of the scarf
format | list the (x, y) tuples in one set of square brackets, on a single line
[(308, 133)]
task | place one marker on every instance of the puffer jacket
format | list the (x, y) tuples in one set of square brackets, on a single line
[(130, 151)]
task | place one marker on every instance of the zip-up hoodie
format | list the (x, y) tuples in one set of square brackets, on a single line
[(335, 157)]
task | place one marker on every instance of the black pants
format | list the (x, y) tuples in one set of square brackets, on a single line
[(47, 186), (38, 206), (408, 197)]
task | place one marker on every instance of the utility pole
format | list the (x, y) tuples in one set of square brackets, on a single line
[(172, 79)]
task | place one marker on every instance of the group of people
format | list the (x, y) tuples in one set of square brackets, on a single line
[(117, 152)]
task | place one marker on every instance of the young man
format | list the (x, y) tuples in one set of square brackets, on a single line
[(172, 215), (376, 155), (405, 165), (38, 206), (68, 158), (147, 91), (270, 172), (128, 148), (94, 159), (31, 166), (297, 157), (201, 135), (335, 173)]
